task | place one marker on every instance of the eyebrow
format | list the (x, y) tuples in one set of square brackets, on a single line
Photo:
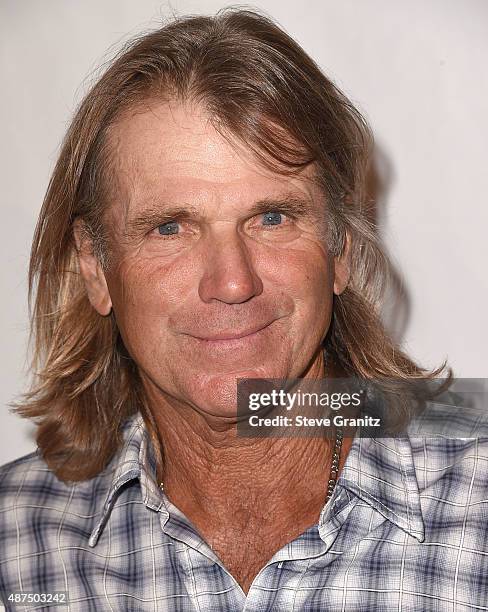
[(152, 216), (292, 205)]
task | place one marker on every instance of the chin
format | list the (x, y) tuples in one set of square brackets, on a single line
[(216, 394), (228, 380)]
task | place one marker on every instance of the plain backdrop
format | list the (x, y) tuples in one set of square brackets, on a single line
[(416, 69)]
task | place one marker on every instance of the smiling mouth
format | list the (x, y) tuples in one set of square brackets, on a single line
[(223, 337)]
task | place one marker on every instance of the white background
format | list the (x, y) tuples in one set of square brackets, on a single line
[(416, 69)]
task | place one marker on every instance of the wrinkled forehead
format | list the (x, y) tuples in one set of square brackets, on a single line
[(174, 149)]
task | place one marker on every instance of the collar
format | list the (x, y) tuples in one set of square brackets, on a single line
[(381, 472), (134, 461)]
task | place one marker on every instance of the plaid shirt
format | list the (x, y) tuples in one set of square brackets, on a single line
[(406, 529)]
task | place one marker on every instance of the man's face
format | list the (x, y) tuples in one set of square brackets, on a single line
[(220, 268)]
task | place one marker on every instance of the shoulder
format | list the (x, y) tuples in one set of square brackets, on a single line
[(29, 485), (449, 443), (450, 431), (31, 495), (452, 473), (27, 470), (40, 517), (28, 477), (440, 453)]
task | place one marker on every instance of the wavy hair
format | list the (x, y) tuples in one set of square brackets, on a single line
[(258, 86)]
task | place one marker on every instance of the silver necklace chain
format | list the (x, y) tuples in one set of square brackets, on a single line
[(334, 468)]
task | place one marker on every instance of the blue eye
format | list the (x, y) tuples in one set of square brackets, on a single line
[(272, 218), (166, 229)]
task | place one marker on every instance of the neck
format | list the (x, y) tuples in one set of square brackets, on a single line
[(204, 468), (207, 466)]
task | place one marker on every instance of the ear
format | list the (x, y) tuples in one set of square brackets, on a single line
[(91, 270), (342, 266)]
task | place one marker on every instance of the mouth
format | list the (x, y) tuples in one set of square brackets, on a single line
[(230, 337)]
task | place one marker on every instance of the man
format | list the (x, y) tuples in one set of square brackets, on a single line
[(205, 223)]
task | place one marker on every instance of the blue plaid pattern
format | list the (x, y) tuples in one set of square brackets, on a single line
[(406, 529)]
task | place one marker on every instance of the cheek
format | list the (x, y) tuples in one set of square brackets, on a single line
[(307, 272), (145, 293), (308, 278)]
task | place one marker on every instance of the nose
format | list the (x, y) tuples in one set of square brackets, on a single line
[(228, 272)]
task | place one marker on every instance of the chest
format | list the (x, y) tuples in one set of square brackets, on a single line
[(245, 549), (245, 556)]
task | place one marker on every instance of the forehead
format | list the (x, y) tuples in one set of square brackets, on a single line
[(172, 149)]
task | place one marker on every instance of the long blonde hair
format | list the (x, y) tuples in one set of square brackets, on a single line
[(259, 86)]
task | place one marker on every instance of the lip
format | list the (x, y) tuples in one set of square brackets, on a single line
[(228, 336)]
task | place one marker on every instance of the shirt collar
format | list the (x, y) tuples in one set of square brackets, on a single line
[(381, 472), (134, 461)]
